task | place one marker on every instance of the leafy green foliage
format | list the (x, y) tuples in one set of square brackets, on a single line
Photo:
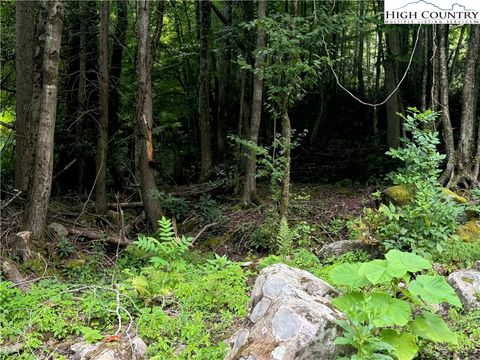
[(380, 325), (65, 247), (431, 219), (168, 246)]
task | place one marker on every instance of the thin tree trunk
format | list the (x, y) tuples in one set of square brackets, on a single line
[(24, 62), (103, 81), (423, 95), (361, 81), (82, 100), (391, 82), (249, 191), (224, 84), (116, 66), (287, 140), (144, 118), (41, 180), (442, 48), (204, 91), (467, 123)]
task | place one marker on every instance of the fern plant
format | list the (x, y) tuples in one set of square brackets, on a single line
[(166, 246), (284, 238)]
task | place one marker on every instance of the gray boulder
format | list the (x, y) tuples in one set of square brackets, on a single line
[(290, 318), (467, 285), (338, 248), (125, 349)]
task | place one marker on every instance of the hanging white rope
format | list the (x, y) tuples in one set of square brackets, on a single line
[(330, 62)]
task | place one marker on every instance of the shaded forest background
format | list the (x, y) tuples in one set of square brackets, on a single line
[(204, 67)]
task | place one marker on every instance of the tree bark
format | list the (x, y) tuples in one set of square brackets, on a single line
[(204, 91), (116, 66), (391, 82), (41, 181), (447, 129), (82, 100), (361, 81), (467, 122), (103, 81), (24, 62), (224, 84), (249, 190), (144, 118)]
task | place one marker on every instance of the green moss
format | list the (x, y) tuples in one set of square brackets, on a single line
[(457, 198), (469, 232), (400, 195)]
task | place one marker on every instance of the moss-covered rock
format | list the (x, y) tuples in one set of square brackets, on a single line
[(400, 195), (470, 231)]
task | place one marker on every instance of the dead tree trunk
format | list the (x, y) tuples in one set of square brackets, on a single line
[(102, 139), (41, 180), (144, 118), (249, 191)]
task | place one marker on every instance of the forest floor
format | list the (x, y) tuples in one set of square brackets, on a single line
[(187, 306)]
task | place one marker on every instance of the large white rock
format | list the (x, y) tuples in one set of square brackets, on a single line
[(126, 349), (467, 285), (290, 318)]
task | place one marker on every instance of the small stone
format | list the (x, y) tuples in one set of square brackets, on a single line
[(467, 285), (341, 247), (60, 230)]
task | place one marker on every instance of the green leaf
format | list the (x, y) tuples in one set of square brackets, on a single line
[(411, 262), (434, 290), (432, 327), (381, 271), (404, 344), (348, 274), (388, 311), (349, 301)]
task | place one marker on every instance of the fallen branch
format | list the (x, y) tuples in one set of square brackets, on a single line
[(125, 205), (93, 235), (205, 228)]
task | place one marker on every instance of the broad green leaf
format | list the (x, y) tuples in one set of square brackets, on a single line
[(351, 304), (348, 274), (381, 271), (342, 341), (348, 301), (404, 344), (432, 327), (434, 290), (388, 311), (411, 262)]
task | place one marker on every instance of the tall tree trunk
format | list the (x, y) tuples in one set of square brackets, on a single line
[(249, 191), (447, 130), (391, 82), (467, 123), (287, 139), (103, 81), (361, 81), (116, 66), (41, 180), (204, 90), (24, 62), (224, 83), (82, 100), (114, 89), (144, 118)]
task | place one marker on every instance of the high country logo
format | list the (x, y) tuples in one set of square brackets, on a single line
[(427, 12)]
